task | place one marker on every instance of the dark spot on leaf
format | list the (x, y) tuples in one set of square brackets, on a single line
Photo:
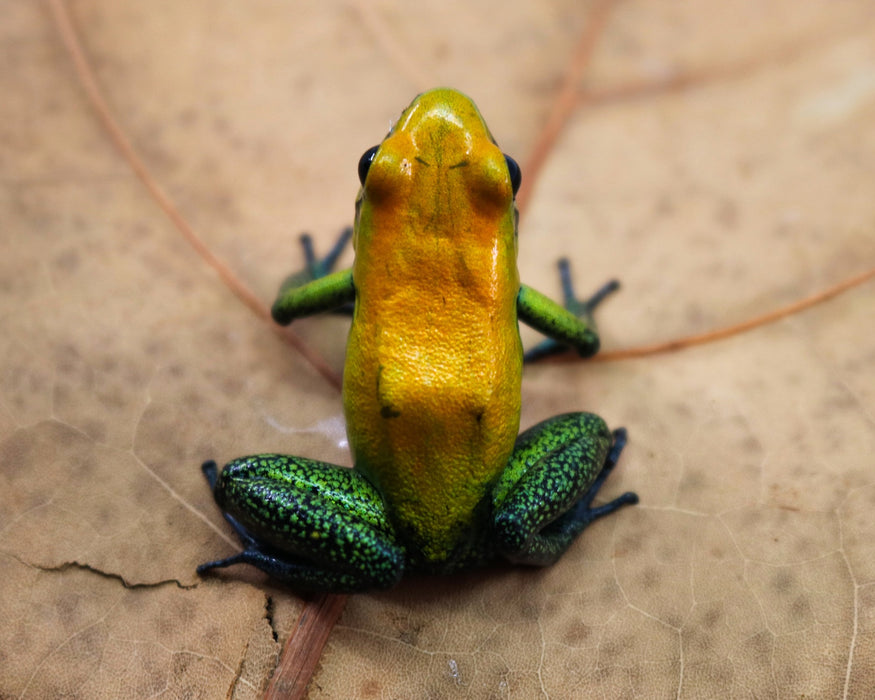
[(782, 582)]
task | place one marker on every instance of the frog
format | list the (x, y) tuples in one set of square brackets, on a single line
[(442, 480)]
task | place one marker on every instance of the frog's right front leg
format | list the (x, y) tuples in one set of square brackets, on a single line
[(571, 326), (312, 525), (316, 289), (314, 267), (322, 294)]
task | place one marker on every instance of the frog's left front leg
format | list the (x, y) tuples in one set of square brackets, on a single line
[(543, 314), (542, 500)]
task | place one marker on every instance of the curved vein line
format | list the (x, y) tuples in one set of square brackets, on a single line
[(741, 327), (120, 140)]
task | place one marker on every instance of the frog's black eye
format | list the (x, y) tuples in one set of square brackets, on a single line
[(513, 168), (365, 162)]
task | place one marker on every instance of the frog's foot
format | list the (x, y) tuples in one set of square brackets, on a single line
[(583, 513), (557, 469), (582, 308), (316, 268), (299, 575)]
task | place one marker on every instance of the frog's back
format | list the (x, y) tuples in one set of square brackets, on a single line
[(434, 361)]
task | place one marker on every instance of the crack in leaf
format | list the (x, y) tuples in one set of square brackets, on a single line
[(80, 566), (268, 615)]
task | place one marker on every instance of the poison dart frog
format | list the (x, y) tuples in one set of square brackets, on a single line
[(442, 481)]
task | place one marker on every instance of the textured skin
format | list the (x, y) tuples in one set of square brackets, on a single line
[(298, 523), (431, 384), (553, 466), (545, 315), (323, 294), (434, 360)]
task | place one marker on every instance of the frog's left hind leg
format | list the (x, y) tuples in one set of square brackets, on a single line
[(543, 499)]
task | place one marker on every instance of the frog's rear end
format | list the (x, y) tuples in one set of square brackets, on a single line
[(434, 446)]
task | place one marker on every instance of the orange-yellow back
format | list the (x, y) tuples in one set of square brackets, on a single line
[(434, 361)]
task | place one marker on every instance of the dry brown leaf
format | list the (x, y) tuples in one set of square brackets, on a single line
[(747, 569)]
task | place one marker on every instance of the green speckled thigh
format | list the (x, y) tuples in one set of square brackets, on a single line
[(543, 498), (317, 526), (310, 524)]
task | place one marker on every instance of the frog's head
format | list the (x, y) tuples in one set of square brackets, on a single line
[(440, 166)]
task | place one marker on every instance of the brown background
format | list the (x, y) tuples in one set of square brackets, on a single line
[(749, 567)]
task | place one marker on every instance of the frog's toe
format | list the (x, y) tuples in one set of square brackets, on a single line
[(544, 349), (321, 268), (211, 472), (605, 290), (305, 576), (316, 268), (584, 512), (581, 307), (221, 563)]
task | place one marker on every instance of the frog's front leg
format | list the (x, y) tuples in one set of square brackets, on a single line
[(312, 525), (582, 309), (315, 289), (314, 267), (543, 499)]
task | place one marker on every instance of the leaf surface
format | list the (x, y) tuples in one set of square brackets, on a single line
[(747, 569)]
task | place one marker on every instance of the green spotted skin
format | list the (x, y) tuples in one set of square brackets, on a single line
[(290, 504), (317, 526), (545, 315), (553, 465)]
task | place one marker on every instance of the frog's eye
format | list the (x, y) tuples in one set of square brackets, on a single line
[(513, 168), (365, 162)]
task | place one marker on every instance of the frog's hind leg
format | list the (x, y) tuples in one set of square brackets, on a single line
[(252, 551), (543, 500), (299, 575), (312, 525)]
